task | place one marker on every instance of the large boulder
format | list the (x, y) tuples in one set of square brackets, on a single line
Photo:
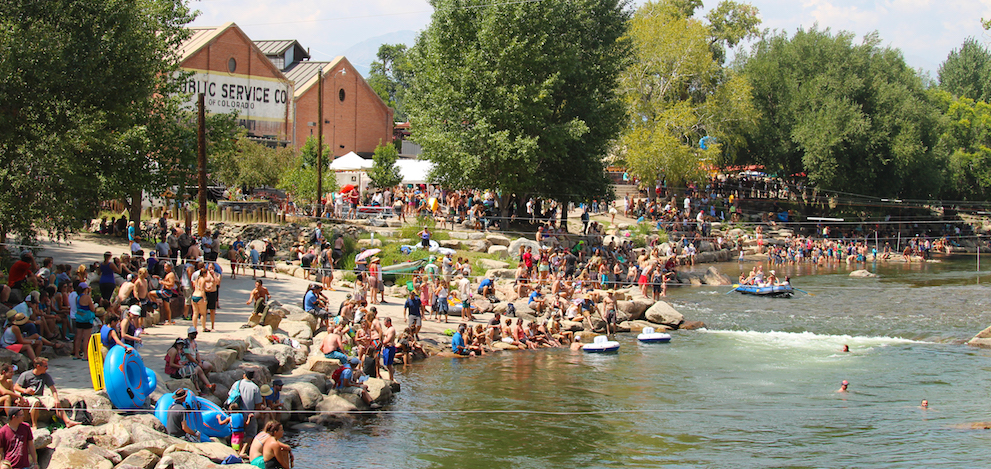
[(498, 240), (481, 245), (15, 358), (238, 345), (500, 252), (66, 457), (370, 243), (862, 273), (222, 359), (514, 247), (982, 339), (450, 244), (143, 459), (97, 403), (297, 329), (308, 318), (492, 264), (184, 460), (211, 450), (270, 362), (714, 277), (317, 379), (503, 273), (309, 394), (663, 313), (379, 389), (291, 402), (321, 364)]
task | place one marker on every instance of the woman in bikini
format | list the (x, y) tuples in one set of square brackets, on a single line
[(199, 295)]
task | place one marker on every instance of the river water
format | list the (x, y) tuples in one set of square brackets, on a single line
[(756, 388)]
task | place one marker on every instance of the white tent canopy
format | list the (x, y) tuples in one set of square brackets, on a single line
[(414, 171), (350, 161)]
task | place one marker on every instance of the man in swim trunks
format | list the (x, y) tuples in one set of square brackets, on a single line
[(168, 291), (332, 346), (389, 348), (609, 311)]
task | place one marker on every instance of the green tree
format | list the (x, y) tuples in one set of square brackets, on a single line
[(80, 83), (389, 77), (308, 154), (966, 141), (300, 182), (384, 171), (853, 117), (677, 91), (251, 164), (519, 97), (967, 71)]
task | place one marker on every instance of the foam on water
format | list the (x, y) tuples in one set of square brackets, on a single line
[(809, 340)]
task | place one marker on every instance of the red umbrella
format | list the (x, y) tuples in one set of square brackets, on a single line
[(347, 188)]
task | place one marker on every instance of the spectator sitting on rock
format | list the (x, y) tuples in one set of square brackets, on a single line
[(31, 384), (15, 340), (347, 383)]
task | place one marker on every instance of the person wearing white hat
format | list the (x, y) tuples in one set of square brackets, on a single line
[(129, 330)]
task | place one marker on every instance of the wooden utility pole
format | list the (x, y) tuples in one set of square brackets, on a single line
[(201, 162), (320, 143)]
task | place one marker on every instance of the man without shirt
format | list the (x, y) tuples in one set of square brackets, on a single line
[(259, 296), (332, 347), (389, 348)]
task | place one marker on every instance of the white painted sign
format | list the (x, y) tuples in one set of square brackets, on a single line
[(253, 98)]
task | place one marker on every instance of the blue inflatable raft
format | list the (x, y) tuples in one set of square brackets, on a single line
[(783, 291), (129, 382), (204, 416)]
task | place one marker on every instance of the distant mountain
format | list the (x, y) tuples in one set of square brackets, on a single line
[(362, 54)]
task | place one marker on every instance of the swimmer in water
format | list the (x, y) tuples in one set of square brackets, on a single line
[(843, 386), (846, 348), (925, 404), (577, 344)]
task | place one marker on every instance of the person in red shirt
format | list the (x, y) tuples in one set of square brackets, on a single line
[(23, 271), (17, 441)]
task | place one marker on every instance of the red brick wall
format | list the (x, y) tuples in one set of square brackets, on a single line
[(233, 43), (359, 123)]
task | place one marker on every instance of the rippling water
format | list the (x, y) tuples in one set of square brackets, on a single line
[(755, 389)]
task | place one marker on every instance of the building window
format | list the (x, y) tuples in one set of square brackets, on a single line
[(340, 94), (231, 65)]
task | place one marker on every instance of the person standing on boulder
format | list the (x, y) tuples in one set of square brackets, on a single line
[(252, 399), (389, 348)]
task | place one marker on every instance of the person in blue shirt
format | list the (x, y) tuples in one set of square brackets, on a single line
[(487, 287), (347, 383), (458, 344), (536, 300), (413, 312), (314, 303)]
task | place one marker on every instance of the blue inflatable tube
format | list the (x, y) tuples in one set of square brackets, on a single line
[(129, 382), (204, 416)]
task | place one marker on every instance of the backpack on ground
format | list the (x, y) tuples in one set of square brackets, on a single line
[(510, 310), (80, 413)]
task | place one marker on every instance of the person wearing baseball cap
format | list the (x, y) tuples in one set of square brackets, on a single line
[(843, 386), (192, 350), (17, 440)]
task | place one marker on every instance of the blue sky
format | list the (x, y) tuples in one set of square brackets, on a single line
[(925, 30)]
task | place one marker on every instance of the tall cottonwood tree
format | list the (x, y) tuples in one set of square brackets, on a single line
[(853, 117), (677, 91), (519, 97)]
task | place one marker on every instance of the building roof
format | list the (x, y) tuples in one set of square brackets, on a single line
[(200, 37), (280, 46), (304, 74)]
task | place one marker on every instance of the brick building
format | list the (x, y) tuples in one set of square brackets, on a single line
[(235, 75), (274, 87)]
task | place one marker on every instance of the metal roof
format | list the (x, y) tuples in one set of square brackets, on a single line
[(304, 74), (276, 47), (200, 37)]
